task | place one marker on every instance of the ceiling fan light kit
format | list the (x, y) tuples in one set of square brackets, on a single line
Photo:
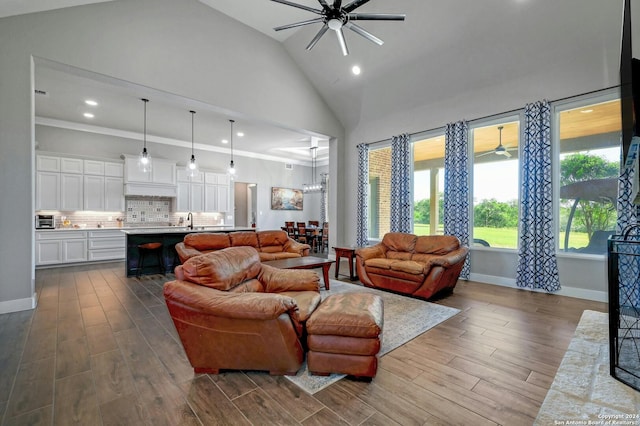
[(336, 17)]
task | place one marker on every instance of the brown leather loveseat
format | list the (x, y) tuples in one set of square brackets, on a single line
[(233, 312), (271, 245), (420, 266)]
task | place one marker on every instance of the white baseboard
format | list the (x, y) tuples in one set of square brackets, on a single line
[(580, 293), (18, 305)]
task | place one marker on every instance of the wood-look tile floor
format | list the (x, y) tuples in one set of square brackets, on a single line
[(100, 349)]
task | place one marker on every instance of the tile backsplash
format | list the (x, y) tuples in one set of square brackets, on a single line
[(145, 211)]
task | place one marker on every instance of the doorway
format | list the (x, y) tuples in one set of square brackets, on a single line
[(245, 201)]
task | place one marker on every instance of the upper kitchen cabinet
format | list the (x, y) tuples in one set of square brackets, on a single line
[(74, 184), (160, 181)]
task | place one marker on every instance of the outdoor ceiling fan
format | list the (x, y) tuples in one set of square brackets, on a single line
[(336, 17), (500, 149)]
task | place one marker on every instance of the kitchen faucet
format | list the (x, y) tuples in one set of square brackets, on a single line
[(190, 219)]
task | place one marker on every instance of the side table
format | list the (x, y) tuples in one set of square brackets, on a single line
[(348, 253)]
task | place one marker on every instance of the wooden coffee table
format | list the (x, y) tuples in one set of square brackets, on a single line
[(305, 262)]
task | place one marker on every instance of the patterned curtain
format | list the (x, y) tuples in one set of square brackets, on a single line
[(401, 215), (362, 229), (456, 185), (537, 265)]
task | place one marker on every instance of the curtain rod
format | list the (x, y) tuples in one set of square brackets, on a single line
[(501, 113)]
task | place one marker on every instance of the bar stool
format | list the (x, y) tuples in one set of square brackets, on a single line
[(148, 248)]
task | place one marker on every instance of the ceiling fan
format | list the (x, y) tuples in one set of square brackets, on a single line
[(500, 149), (336, 17)]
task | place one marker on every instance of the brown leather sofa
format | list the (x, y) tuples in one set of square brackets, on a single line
[(420, 266), (233, 312), (271, 245)]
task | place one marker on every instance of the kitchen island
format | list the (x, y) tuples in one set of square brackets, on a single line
[(169, 237)]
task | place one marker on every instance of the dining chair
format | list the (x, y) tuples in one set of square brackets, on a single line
[(314, 223), (325, 237)]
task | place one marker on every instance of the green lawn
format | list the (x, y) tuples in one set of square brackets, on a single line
[(508, 237)]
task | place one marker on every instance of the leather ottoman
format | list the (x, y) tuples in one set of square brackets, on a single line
[(343, 335)]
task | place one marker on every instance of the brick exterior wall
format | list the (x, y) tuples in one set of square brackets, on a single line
[(380, 170)]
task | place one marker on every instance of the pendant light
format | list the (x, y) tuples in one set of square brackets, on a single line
[(232, 167), (144, 159), (192, 165)]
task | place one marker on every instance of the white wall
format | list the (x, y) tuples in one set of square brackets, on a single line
[(179, 46)]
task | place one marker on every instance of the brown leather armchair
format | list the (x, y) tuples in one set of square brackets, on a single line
[(232, 312)]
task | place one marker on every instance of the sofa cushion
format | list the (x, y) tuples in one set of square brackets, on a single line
[(272, 241), (244, 239), (399, 255), (223, 269), (437, 244), (379, 262), (207, 241), (398, 241), (408, 266), (264, 257), (424, 258), (249, 286)]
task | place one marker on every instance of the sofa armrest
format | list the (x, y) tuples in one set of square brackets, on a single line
[(276, 280), (208, 301), (449, 259), (186, 252), (292, 246), (379, 250)]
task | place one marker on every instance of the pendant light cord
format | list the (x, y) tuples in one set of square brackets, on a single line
[(144, 139), (192, 115)]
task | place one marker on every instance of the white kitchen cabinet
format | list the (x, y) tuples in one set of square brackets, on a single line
[(94, 193), (71, 192), (71, 165), (47, 163), (94, 167), (211, 178), (216, 198), (182, 198), (113, 194), (74, 251), (196, 197), (47, 191), (113, 169), (55, 247), (133, 174), (106, 244)]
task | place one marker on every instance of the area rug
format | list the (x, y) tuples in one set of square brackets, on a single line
[(582, 391), (404, 319)]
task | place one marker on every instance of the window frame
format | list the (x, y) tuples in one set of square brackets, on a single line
[(556, 108)]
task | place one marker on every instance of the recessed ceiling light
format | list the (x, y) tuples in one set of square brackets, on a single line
[(240, 134), (224, 141), (356, 70), (91, 102), (88, 115), (586, 111)]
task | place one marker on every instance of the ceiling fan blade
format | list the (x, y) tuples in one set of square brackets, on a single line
[(376, 16), (506, 154), (484, 153), (299, 6), (317, 37), (354, 5), (298, 24), (364, 33), (343, 42), (324, 4), (337, 4)]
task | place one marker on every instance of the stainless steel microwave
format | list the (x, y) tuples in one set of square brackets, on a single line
[(45, 221)]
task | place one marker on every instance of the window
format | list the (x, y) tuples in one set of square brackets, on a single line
[(428, 186), (495, 184), (589, 166), (379, 192)]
